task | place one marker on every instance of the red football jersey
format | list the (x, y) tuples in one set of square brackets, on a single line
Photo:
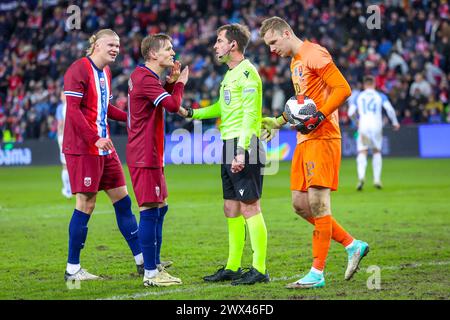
[(88, 91), (146, 99)]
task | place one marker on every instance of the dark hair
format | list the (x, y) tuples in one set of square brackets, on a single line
[(369, 80), (236, 32)]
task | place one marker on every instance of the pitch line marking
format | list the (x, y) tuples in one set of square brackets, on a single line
[(160, 293)]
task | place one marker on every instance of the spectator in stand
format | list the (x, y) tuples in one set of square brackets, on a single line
[(420, 87), (433, 104), (434, 116), (407, 118)]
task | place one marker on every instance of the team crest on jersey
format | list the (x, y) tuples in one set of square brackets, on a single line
[(227, 96), (87, 181), (102, 83), (298, 72), (158, 191)]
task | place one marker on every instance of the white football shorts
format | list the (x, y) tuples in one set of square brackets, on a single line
[(369, 139)]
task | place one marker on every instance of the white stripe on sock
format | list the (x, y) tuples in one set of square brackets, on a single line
[(316, 270), (139, 259), (151, 273), (351, 244), (73, 268)]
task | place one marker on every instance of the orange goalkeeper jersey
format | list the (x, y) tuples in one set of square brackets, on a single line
[(315, 75)]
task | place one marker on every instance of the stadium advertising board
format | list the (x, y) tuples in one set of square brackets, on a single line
[(11, 156), (183, 147), (434, 141)]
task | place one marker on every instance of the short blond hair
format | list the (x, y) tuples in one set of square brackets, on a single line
[(99, 34), (153, 42), (274, 24)]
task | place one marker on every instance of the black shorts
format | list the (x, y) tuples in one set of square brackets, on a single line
[(245, 185)]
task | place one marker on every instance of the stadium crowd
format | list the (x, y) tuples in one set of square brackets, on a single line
[(409, 55)]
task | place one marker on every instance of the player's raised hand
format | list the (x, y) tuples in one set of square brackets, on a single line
[(184, 75), (104, 144), (174, 73)]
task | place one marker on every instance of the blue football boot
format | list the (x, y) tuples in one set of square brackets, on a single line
[(356, 252), (311, 280)]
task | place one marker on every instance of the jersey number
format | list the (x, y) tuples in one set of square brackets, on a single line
[(369, 106)]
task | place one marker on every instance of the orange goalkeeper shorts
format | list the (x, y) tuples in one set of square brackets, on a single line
[(316, 164)]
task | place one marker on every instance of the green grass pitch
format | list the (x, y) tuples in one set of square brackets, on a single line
[(407, 225)]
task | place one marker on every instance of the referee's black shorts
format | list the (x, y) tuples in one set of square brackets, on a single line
[(245, 185)]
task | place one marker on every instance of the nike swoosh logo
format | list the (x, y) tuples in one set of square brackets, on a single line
[(135, 231)]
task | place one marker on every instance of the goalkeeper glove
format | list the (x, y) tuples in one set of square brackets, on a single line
[(310, 123), (269, 125)]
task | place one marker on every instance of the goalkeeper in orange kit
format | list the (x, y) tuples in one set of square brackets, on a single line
[(317, 157)]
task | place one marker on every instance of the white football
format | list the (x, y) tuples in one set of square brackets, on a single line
[(299, 108)]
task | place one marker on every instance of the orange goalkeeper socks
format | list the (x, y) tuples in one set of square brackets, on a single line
[(338, 234), (321, 241)]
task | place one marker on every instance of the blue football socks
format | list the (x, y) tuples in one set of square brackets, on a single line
[(127, 224), (159, 227), (147, 236), (77, 235)]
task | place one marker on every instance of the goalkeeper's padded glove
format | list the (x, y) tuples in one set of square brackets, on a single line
[(310, 123), (269, 124)]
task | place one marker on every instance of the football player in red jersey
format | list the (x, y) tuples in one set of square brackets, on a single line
[(148, 98), (92, 161)]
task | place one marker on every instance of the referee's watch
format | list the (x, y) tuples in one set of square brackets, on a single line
[(190, 112)]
